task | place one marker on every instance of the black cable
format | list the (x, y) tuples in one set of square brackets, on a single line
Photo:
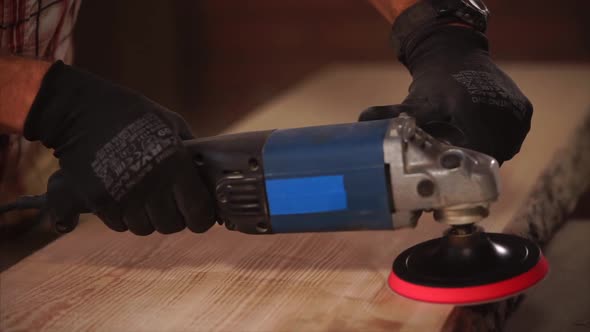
[(25, 202)]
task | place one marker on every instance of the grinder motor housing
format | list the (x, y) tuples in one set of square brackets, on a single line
[(367, 175)]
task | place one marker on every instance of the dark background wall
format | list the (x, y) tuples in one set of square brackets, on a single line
[(214, 60)]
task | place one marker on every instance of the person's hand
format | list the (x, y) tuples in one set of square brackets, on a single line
[(121, 156), (460, 95), (390, 9)]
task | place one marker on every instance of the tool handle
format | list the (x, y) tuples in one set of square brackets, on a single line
[(230, 165), (233, 171)]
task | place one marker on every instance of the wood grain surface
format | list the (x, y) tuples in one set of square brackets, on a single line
[(96, 279)]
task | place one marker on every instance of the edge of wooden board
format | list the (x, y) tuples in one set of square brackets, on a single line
[(546, 209)]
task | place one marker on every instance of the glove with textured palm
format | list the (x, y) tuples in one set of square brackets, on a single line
[(459, 94), (121, 156)]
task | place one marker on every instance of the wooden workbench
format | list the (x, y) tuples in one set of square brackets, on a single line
[(96, 279)]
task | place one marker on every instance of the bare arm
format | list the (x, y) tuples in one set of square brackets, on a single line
[(390, 9), (20, 79)]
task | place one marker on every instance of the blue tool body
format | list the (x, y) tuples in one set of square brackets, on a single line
[(328, 178)]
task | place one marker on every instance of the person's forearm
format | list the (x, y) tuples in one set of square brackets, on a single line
[(20, 79), (390, 9)]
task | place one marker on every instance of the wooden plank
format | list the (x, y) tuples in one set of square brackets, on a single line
[(97, 279)]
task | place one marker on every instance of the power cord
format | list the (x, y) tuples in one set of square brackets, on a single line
[(25, 202)]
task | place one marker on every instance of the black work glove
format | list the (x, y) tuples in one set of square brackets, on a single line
[(121, 156), (458, 94)]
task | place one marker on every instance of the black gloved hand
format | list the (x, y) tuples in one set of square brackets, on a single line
[(460, 95), (121, 156)]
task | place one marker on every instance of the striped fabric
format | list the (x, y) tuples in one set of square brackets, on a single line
[(37, 28)]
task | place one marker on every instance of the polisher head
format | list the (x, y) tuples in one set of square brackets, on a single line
[(465, 268)]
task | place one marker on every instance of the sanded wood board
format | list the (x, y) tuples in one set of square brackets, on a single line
[(96, 279)]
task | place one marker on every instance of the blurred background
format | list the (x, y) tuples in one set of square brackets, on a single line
[(216, 60)]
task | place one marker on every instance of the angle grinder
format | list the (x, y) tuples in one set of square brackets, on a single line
[(375, 175)]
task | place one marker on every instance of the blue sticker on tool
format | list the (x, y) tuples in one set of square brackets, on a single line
[(306, 195)]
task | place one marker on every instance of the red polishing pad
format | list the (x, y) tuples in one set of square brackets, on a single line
[(474, 269), (473, 294)]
